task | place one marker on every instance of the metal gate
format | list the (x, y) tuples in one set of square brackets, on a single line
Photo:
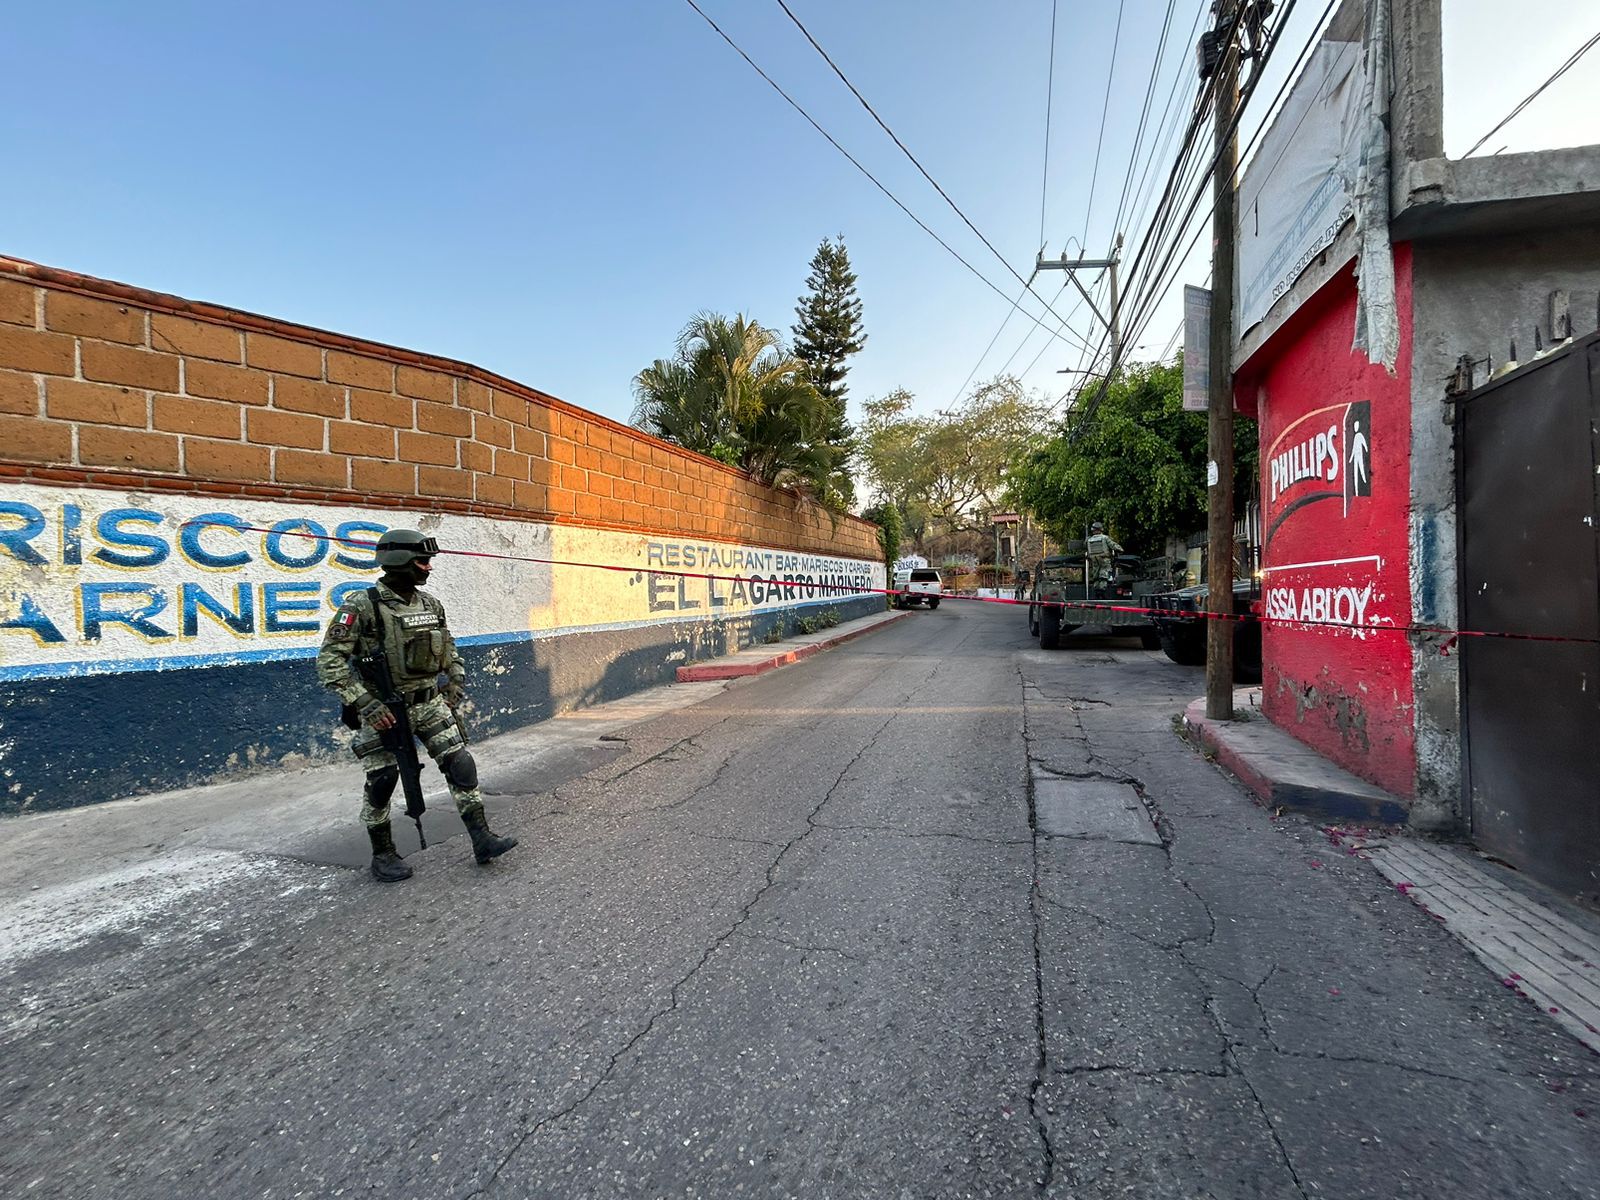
[(1529, 520)]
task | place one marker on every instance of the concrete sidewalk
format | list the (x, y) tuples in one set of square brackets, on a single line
[(754, 660), (1540, 946), (1284, 771)]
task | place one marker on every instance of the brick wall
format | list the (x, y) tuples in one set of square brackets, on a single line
[(107, 384)]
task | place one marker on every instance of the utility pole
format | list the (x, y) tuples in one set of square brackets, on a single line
[(1219, 468), (1113, 323)]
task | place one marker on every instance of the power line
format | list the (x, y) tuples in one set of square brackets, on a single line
[(882, 124), (1150, 281), (1111, 71), (794, 104), (1142, 194), (1049, 103), (1534, 95), (1144, 114), (1290, 79)]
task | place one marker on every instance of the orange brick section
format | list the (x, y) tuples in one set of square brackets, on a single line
[(279, 354), (369, 441), (491, 490), (360, 372), (442, 418), (300, 395), (19, 394), (33, 440), (30, 350), (266, 427), (473, 395), (206, 418), (67, 312), (428, 448), (124, 364), (321, 470), (99, 447), (17, 302), (95, 404), (425, 385), (100, 375), (195, 339), (379, 409), (368, 475), (444, 481), (216, 381), (226, 461)]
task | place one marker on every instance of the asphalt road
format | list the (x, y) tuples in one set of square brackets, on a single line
[(934, 914)]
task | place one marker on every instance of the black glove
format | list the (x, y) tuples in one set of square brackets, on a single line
[(455, 694), (377, 714)]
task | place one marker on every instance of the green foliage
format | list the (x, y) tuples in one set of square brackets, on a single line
[(947, 472), (828, 330), (812, 622), (1139, 465), (732, 392)]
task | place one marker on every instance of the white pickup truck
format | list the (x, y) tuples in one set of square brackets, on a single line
[(916, 586)]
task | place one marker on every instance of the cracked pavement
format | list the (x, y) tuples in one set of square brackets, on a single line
[(802, 937)]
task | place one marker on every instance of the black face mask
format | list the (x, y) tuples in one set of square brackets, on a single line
[(409, 577)]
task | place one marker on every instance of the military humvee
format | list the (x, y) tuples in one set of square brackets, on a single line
[(1061, 598)]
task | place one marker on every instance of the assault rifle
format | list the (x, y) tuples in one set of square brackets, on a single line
[(399, 739)]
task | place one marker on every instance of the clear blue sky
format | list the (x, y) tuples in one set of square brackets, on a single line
[(550, 190)]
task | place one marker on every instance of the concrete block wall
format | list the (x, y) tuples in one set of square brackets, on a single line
[(101, 382), (174, 477)]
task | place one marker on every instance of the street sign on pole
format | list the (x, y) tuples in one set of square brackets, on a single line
[(1196, 348)]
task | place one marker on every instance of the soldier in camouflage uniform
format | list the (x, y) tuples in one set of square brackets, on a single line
[(1101, 568), (419, 649)]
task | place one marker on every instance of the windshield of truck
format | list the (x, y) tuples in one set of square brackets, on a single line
[(924, 577), (1061, 573)]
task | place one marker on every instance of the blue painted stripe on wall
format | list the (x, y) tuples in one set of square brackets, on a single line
[(124, 666), (173, 728)]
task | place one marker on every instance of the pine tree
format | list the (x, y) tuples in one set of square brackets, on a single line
[(829, 330)]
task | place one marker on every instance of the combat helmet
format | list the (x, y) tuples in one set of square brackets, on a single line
[(398, 547)]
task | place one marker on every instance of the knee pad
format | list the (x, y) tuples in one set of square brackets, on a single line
[(381, 784), (461, 770)]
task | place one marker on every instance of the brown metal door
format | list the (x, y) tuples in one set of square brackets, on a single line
[(1530, 564)]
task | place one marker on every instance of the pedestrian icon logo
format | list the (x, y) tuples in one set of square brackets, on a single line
[(1358, 452)]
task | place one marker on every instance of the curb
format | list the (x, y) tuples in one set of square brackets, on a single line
[(1285, 773), (727, 669)]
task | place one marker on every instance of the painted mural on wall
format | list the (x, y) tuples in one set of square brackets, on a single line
[(1335, 467), (97, 582)]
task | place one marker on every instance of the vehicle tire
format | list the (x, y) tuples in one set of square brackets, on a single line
[(933, 604), (1149, 639), (1033, 622), (1184, 644), (1049, 629)]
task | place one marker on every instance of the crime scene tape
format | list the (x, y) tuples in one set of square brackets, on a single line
[(1449, 636)]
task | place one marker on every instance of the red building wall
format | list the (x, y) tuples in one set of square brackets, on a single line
[(1335, 497)]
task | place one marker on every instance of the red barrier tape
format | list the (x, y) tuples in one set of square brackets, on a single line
[(1450, 636)]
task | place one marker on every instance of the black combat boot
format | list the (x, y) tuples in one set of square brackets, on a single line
[(486, 843), (387, 865)]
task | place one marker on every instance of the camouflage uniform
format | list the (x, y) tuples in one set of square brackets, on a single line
[(419, 648), (1101, 550)]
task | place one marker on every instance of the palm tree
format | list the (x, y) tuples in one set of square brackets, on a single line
[(732, 391)]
